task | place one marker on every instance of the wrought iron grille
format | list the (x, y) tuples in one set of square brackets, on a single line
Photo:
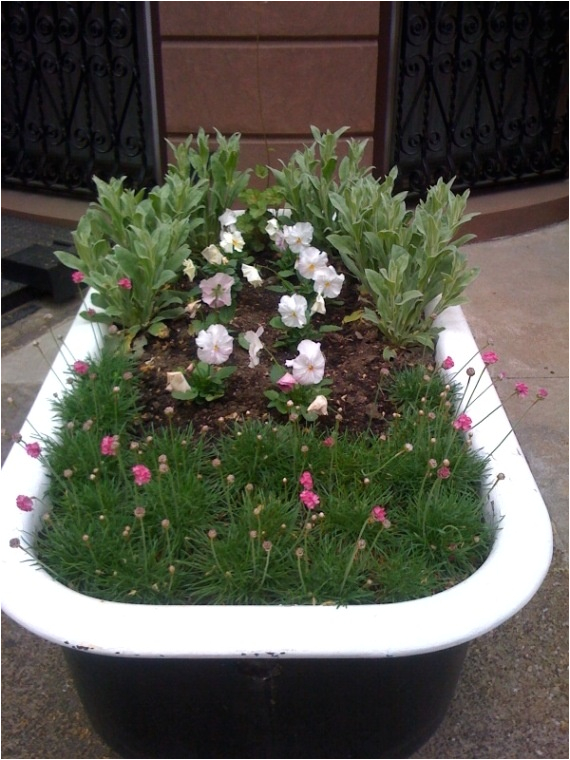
[(75, 95), (482, 93)]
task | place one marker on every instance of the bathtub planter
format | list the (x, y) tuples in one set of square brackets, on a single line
[(278, 681)]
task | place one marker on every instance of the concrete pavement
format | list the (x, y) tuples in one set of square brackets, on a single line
[(512, 700)]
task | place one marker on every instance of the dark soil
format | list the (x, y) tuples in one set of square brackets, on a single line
[(354, 363)]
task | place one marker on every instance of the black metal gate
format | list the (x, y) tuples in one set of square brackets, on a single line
[(481, 93), (76, 95)]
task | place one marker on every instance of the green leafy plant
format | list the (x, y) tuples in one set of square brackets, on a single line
[(207, 382), (215, 173), (409, 263), (131, 247), (131, 257), (317, 171)]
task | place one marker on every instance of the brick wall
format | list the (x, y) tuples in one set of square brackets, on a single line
[(269, 70)]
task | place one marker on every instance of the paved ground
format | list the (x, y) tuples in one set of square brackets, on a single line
[(512, 700)]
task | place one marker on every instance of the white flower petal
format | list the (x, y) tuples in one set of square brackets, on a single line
[(328, 282), (176, 382), (319, 405), (319, 306), (251, 275), (213, 255), (293, 310), (308, 368), (255, 345), (310, 261), (215, 345)]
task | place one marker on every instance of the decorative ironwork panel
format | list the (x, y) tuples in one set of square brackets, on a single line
[(75, 95), (482, 93)]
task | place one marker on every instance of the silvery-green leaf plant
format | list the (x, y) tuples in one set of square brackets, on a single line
[(131, 247), (408, 262)]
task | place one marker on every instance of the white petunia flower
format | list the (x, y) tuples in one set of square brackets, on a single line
[(293, 310), (192, 307), (272, 228), (319, 306), (319, 406), (231, 241), (310, 261), (251, 275), (214, 345), (298, 236), (255, 345), (189, 269), (213, 255), (328, 282), (176, 382), (227, 219), (308, 368)]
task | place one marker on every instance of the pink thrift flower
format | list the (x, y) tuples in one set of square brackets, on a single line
[(463, 422), (109, 445), (24, 503), (444, 473), (77, 277), (287, 382), (329, 441), (448, 363), (82, 368), (142, 474), (125, 283), (521, 389), (489, 357), (306, 480), (33, 450), (309, 499), (378, 513), (541, 393)]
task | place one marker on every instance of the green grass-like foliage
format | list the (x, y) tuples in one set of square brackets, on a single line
[(221, 519)]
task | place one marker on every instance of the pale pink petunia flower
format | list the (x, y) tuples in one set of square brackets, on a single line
[(287, 382), (217, 290)]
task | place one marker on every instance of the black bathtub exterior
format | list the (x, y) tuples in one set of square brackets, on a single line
[(266, 707)]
